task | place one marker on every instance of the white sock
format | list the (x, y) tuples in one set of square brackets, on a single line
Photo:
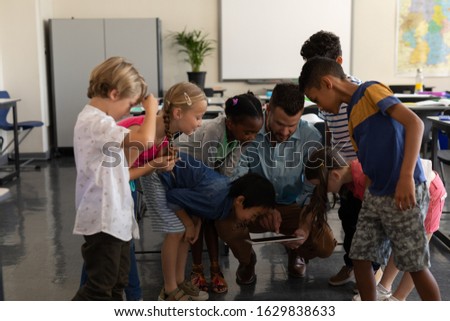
[(382, 289)]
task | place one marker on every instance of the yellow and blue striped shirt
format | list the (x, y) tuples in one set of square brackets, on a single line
[(379, 140)]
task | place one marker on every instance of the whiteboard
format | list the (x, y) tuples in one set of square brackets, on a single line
[(260, 40)]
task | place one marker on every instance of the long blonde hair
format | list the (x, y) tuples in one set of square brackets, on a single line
[(183, 95)]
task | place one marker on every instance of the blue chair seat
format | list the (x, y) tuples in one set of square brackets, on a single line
[(23, 126)]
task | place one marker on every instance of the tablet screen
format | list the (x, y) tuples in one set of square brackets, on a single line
[(271, 239)]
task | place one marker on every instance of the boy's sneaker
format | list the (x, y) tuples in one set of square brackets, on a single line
[(193, 291), (382, 294), (344, 276)]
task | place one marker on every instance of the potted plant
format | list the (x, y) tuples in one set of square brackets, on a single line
[(197, 46)]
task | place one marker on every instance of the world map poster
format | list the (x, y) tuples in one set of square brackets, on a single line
[(423, 37)]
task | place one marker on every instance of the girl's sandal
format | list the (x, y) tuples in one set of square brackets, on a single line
[(198, 278), (194, 292), (218, 283), (175, 295)]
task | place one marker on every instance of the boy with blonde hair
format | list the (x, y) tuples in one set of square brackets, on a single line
[(104, 205)]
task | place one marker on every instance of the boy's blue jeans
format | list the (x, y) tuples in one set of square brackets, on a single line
[(133, 291)]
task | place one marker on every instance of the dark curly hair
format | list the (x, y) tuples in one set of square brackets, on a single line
[(323, 44)]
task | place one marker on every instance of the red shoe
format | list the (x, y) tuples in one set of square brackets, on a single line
[(218, 283), (198, 278)]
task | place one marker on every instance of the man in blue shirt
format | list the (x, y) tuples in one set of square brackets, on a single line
[(278, 153)]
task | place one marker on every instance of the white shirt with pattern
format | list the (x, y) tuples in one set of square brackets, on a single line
[(103, 197)]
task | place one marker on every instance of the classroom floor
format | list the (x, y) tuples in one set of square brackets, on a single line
[(41, 257)]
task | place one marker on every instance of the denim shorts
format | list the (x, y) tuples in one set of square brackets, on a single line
[(382, 226)]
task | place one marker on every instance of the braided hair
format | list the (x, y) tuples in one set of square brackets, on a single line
[(182, 95)]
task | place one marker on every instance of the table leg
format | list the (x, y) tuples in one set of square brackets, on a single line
[(16, 141), (434, 147)]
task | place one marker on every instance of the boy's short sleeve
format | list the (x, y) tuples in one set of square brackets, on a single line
[(106, 132), (383, 97)]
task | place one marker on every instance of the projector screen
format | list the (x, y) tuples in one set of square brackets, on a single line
[(260, 40)]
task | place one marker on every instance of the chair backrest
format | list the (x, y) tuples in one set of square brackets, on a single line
[(4, 111), (209, 92), (4, 94)]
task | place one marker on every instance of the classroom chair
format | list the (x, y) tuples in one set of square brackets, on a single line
[(24, 128), (209, 92)]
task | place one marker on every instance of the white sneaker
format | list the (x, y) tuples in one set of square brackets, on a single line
[(382, 294)]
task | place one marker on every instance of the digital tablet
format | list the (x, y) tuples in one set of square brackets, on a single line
[(272, 239)]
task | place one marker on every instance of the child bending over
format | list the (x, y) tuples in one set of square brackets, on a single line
[(217, 143), (183, 108), (194, 190), (386, 136)]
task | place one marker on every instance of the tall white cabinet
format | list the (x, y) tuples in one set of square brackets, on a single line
[(78, 45)]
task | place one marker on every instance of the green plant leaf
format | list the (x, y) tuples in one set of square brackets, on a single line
[(195, 45)]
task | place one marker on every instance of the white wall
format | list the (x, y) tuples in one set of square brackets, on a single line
[(22, 66), (374, 44), (1, 63)]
